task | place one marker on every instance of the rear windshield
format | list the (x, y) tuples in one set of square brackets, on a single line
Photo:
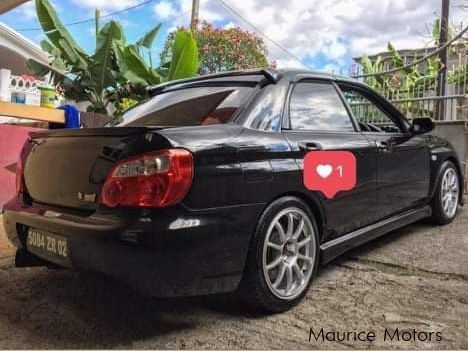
[(189, 107)]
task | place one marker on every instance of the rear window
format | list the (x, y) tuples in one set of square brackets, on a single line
[(189, 107)]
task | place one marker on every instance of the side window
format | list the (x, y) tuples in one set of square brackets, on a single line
[(370, 116), (317, 106)]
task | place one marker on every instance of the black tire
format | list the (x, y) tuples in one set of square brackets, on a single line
[(439, 215), (253, 288)]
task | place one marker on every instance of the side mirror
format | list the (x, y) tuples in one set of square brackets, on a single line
[(421, 125)]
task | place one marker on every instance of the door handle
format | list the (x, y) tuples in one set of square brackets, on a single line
[(309, 146), (383, 145)]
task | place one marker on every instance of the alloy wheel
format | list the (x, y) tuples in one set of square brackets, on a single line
[(289, 253), (450, 192)]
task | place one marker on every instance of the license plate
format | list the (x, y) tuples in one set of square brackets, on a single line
[(49, 246)]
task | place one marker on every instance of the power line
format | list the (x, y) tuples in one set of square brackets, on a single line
[(230, 9), (113, 14), (127, 9), (422, 59)]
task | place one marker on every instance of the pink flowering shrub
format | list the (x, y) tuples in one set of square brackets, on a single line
[(224, 49)]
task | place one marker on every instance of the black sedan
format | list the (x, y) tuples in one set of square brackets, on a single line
[(200, 189)]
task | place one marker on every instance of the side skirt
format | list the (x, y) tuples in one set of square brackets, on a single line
[(333, 248)]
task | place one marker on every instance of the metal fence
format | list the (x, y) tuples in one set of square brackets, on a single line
[(414, 90)]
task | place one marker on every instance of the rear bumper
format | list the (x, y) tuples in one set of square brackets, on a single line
[(175, 252)]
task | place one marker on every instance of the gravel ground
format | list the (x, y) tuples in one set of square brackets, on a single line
[(415, 278)]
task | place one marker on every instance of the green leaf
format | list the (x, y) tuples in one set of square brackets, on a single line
[(38, 68), (396, 58), (56, 60), (52, 26), (148, 39), (59, 35), (134, 68), (101, 68), (97, 17), (184, 63), (436, 31), (366, 65), (72, 57), (48, 47)]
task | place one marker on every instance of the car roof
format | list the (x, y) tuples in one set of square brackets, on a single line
[(293, 73), (247, 76)]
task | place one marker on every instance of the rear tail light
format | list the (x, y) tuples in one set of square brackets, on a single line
[(20, 186), (154, 179)]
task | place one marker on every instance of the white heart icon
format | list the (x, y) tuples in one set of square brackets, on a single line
[(324, 171)]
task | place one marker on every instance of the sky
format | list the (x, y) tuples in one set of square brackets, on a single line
[(317, 34)]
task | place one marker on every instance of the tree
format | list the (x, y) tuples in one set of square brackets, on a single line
[(223, 49), (117, 69)]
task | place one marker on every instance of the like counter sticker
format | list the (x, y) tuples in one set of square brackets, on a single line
[(330, 171)]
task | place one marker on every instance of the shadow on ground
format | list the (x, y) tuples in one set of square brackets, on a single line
[(41, 308), (61, 308)]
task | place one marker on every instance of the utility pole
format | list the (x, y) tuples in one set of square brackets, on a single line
[(194, 19), (442, 75)]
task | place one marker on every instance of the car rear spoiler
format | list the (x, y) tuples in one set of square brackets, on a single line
[(270, 74)]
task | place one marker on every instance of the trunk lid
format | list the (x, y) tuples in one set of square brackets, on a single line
[(68, 168)]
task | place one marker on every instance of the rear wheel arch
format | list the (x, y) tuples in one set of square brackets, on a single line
[(253, 286), (312, 203)]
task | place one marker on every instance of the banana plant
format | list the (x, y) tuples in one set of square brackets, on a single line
[(413, 81), (116, 70), (369, 67)]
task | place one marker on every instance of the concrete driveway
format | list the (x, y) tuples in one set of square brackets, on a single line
[(414, 279)]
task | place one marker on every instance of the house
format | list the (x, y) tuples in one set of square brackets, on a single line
[(15, 75), (17, 49), (456, 53)]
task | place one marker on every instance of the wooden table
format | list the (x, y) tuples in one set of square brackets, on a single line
[(32, 112)]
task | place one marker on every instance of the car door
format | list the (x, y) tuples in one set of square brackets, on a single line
[(317, 119), (403, 160)]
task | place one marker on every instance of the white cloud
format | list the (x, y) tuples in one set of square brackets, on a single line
[(172, 29), (164, 10), (178, 12), (335, 29), (28, 10), (334, 50), (286, 61)]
